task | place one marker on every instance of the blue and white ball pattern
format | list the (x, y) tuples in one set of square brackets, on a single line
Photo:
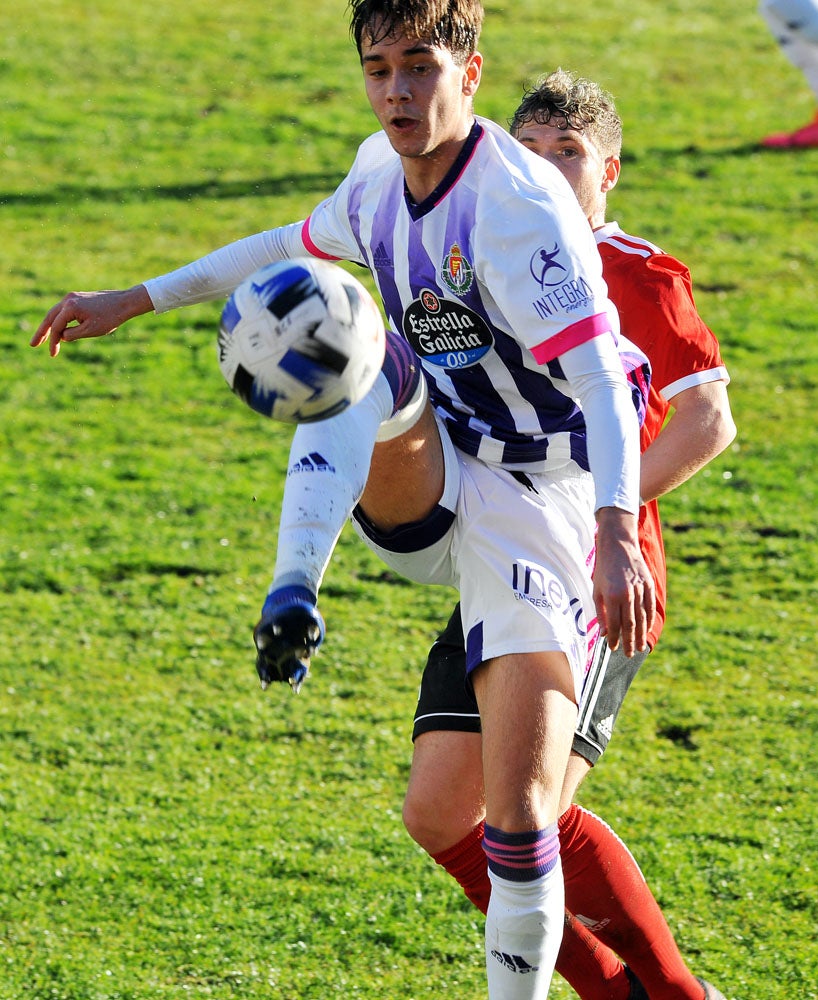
[(301, 340)]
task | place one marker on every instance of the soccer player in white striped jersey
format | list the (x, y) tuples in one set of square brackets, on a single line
[(573, 123), (505, 470), (794, 24)]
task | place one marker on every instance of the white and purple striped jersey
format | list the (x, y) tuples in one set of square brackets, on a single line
[(490, 279)]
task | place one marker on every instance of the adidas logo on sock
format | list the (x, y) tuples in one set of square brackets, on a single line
[(380, 258), (311, 463), (592, 924), (514, 963)]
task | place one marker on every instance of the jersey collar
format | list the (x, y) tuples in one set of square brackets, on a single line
[(418, 209)]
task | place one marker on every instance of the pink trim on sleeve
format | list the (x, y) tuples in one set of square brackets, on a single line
[(572, 336), (308, 243)]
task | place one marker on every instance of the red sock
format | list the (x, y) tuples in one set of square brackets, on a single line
[(605, 889), (592, 969), (466, 863)]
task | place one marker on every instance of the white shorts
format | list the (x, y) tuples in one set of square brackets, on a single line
[(518, 548)]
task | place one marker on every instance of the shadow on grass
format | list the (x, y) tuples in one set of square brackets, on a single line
[(68, 194), (669, 154)]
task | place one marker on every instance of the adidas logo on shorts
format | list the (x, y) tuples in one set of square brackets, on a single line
[(606, 726)]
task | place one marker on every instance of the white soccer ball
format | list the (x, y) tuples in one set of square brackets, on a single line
[(301, 340)]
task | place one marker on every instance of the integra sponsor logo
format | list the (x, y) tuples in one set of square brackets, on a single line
[(446, 333), (571, 295), (542, 265)]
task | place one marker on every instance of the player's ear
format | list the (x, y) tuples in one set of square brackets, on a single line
[(612, 167), (472, 71)]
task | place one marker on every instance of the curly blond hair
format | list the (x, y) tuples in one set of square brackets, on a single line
[(571, 101)]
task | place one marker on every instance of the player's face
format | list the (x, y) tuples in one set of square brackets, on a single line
[(422, 99), (572, 152)]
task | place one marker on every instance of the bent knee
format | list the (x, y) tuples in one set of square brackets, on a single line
[(424, 825), (436, 825)]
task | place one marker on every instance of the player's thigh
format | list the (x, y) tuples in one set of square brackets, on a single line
[(444, 797), (528, 716), (575, 773), (603, 694), (522, 556), (406, 475), (419, 549)]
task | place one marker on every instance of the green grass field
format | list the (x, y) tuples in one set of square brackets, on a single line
[(168, 830)]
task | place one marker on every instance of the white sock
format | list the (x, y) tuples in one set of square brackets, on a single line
[(328, 466), (523, 934)]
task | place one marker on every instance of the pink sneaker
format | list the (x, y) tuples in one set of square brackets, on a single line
[(802, 137)]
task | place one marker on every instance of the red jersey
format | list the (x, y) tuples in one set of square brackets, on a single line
[(654, 295)]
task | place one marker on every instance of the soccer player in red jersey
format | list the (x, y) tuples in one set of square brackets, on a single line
[(574, 124)]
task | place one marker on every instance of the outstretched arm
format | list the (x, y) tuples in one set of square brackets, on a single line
[(94, 314), (90, 314)]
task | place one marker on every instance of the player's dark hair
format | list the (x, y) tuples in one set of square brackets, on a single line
[(451, 24), (569, 101)]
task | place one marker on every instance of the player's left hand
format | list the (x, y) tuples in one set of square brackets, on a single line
[(623, 587)]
